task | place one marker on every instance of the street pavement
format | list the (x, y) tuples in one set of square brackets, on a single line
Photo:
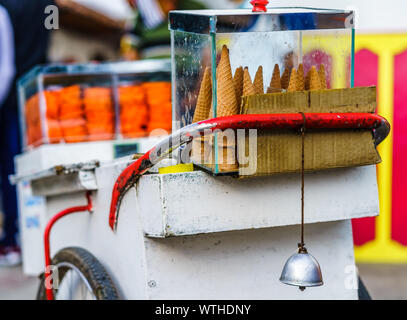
[(14, 285)]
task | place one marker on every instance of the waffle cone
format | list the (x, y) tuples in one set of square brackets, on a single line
[(275, 83), (226, 95), (314, 82), (211, 110), (258, 81), (306, 80), (292, 86), (226, 151), (322, 76), (300, 78), (248, 87), (285, 78), (228, 161), (238, 82), (226, 102), (201, 149), (203, 103)]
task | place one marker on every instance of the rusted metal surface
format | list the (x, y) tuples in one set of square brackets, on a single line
[(132, 173)]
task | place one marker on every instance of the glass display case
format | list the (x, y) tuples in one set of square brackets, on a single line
[(220, 56), (91, 102)]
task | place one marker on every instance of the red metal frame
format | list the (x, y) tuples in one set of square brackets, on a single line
[(47, 232), (134, 171)]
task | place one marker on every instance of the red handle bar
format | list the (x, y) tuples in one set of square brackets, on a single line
[(134, 171)]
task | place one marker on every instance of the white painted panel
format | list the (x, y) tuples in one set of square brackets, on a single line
[(221, 265), (195, 202), (248, 264)]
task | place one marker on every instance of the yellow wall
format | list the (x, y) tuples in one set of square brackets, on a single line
[(383, 249), (386, 46)]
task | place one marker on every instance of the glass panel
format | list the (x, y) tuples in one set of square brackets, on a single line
[(91, 102), (191, 54), (261, 49), (287, 37), (275, 19), (333, 49)]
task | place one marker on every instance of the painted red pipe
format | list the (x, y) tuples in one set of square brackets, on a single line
[(49, 291), (132, 173)]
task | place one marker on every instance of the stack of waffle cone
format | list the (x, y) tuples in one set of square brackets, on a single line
[(258, 81), (285, 78), (203, 103), (306, 80), (226, 106), (292, 86), (300, 78), (226, 95), (275, 83), (322, 76), (202, 110), (238, 83), (314, 82), (248, 87)]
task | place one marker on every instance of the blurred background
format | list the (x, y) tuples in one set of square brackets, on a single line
[(105, 30)]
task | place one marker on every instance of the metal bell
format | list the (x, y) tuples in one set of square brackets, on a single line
[(302, 270)]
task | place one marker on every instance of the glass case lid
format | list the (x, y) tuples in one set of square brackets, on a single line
[(244, 20), (123, 67)]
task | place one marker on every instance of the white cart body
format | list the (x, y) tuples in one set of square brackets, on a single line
[(194, 236), (32, 209)]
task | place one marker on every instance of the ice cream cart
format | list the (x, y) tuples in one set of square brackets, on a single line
[(254, 189), (60, 127)]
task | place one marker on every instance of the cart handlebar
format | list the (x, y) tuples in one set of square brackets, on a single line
[(134, 171)]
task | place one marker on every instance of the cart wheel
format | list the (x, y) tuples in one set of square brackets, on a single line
[(362, 291), (81, 277)]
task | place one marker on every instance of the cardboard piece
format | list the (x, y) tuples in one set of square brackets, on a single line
[(279, 151), (361, 99)]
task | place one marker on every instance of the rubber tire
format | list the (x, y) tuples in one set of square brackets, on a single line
[(362, 291), (99, 280)]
